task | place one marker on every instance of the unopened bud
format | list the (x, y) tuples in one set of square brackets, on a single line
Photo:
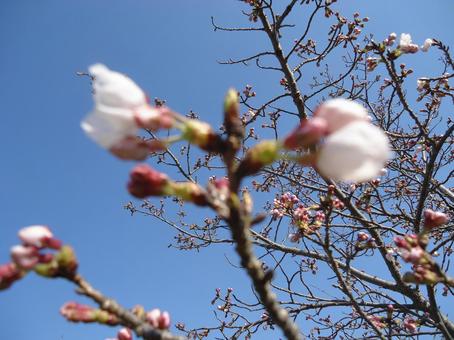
[(145, 181), (9, 273), (190, 192), (37, 236), (433, 219), (124, 334), (232, 121), (25, 257), (202, 135), (158, 319), (258, 156)]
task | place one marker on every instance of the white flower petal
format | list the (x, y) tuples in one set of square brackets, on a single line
[(115, 89), (339, 112), (108, 126), (354, 153)]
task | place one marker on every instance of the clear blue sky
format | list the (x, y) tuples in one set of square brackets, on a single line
[(52, 174)]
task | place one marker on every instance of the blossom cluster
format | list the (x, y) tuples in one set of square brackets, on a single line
[(33, 254), (306, 220), (412, 249)]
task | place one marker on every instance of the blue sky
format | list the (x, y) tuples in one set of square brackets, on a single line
[(52, 174)]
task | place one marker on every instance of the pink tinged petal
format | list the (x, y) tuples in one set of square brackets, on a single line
[(354, 153), (164, 320), (108, 126), (153, 317), (35, 235), (307, 133), (427, 44), (25, 257), (124, 334), (340, 112), (131, 148)]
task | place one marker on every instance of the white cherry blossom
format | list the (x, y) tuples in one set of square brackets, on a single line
[(339, 112), (355, 153)]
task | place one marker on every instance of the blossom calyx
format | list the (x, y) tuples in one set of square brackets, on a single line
[(306, 134), (202, 135), (258, 156)]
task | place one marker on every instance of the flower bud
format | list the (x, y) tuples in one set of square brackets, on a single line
[(158, 319), (9, 273), (76, 312), (202, 135), (189, 192), (258, 156), (306, 134), (63, 264), (145, 181), (25, 257), (38, 236), (433, 219), (124, 334), (427, 44), (232, 121)]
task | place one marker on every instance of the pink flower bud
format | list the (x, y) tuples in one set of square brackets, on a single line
[(25, 257), (124, 334), (76, 312), (164, 320), (410, 325), (9, 273), (362, 236), (433, 219), (307, 133), (145, 181), (36, 236)]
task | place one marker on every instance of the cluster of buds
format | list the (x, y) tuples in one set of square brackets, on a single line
[(284, 204), (424, 270), (364, 241), (145, 181), (372, 63), (248, 92), (389, 41), (410, 324), (31, 255), (158, 319)]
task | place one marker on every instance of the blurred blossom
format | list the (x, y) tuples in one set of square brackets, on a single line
[(340, 112), (354, 153), (427, 44), (406, 45)]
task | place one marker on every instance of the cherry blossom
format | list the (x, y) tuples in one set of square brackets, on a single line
[(354, 153)]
